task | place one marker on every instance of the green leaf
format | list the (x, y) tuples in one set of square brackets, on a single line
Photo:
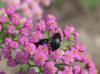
[(5, 26), (60, 66), (19, 26), (24, 67), (16, 37), (1, 45), (31, 62), (2, 5)]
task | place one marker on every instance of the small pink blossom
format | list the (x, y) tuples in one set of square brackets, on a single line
[(52, 25), (15, 18), (50, 68), (41, 26), (57, 55), (11, 10), (68, 31), (68, 57), (30, 48), (40, 58), (11, 30), (28, 24), (23, 40), (36, 36), (3, 19), (24, 31), (44, 49)]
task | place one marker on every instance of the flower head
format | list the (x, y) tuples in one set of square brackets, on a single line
[(57, 55), (11, 62), (22, 58), (50, 68), (24, 31), (52, 24), (68, 57), (41, 26), (36, 36), (23, 40), (40, 58), (11, 10), (28, 24), (3, 19), (11, 30), (30, 48), (15, 18)]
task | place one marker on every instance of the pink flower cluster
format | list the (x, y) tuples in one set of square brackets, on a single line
[(18, 36), (31, 8)]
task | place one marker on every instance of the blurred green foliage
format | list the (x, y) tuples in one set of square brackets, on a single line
[(58, 3), (91, 4), (2, 4), (88, 4)]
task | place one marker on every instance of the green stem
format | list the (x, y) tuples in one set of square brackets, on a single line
[(40, 70), (49, 35), (30, 65)]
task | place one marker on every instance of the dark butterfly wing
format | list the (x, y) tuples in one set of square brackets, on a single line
[(55, 43), (41, 42)]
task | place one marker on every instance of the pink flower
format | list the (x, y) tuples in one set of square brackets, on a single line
[(44, 49), (41, 26), (8, 41), (78, 55), (68, 70), (11, 30), (40, 58), (30, 48), (15, 18), (2, 72), (11, 62), (68, 57), (14, 45), (32, 71), (36, 36), (50, 16), (24, 31), (76, 35), (68, 31), (52, 25), (15, 3), (77, 68), (81, 47), (3, 11), (36, 10), (84, 71), (21, 72), (57, 55), (23, 40), (6, 52), (22, 57), (62, 72), (50, 68), (25, 8), (87, 59), (92, 70), (3, 19), (11, 10), (28, 24), (74, 51)]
